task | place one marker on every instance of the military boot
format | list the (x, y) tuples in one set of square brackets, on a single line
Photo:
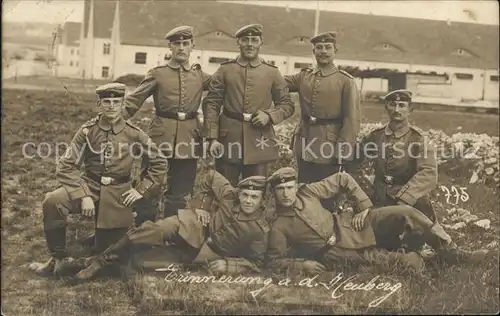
[(114, 253), (453, 254)]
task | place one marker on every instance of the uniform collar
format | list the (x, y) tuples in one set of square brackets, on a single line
[(242, 216), (106, 126), (403, 130), (325, 71), (243, 63), (174, 65)]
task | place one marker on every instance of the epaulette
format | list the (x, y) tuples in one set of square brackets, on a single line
[(419, 131), (230, 61), (129, 123), (267, 63), (307, 69), (346, 73), (93, 121)]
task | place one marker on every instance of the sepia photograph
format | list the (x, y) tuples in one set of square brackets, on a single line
[(216, 157)]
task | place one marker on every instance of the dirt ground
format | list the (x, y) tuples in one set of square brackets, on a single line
[(51, 117)]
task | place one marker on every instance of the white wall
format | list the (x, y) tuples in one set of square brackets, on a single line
[(68, 61)]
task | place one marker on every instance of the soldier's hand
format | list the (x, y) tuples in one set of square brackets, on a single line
[(202, 216), (358, 221), (313, 267), (130, 197), (87, 206), (216, 149), (218, 266), (261, 119)]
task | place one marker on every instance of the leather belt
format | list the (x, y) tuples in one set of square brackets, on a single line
[(107, 180), (244, 117), (180, 116), (321, 121)]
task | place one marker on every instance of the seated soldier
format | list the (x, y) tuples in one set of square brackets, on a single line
[(231, 238), (321, 240), (405, 166), (106, 147)]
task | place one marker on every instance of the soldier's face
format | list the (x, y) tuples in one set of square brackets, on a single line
[(250, 46), (324, 53), (286, 193), (398, 110), (181, 50), (250, 200), (111, 107)]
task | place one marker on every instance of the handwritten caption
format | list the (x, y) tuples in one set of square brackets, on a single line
[(338, 285), (454, 192)]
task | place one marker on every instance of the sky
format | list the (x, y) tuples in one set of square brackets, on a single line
[(485, 12)]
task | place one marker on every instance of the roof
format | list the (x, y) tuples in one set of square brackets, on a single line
[(360, 36), (72, 33), (104, 12)]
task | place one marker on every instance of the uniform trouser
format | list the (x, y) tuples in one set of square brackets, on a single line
[(232, 171), (181, 176), (152, 234), (56, 207), (312, 172), (412, 241), (399, 218)]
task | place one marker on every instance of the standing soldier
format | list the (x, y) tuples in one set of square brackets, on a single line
[(107, 146), (330, 110), (243, 135), (177, 90), (405, 164), (232, 238)]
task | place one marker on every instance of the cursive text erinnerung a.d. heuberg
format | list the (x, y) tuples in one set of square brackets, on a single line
[(338, 285)]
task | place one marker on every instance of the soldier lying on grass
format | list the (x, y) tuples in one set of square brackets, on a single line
[(321, 241), (231, 238)]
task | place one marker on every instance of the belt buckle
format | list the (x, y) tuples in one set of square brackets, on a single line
[(312, 119), (389, 179), (247, 117), (181, 116), (106, 180), (332, 240)]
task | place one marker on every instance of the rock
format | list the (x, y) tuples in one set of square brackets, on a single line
[(474, 178), (469, 218), (489, 171), (458, 226), (491, 245), (490, 161), (484, 223)]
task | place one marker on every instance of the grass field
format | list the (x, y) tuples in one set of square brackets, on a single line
[(52, 117)]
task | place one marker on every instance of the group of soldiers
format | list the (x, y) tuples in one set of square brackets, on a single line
[(226, 226)]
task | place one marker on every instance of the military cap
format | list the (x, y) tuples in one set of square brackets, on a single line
[(249, 30), (326, 37), (253, 183), (180, 33), (282, 175), (111, 90), (398, 95)]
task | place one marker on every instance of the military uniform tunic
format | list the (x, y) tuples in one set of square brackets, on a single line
[(242, 87), (174, 89), (325, 94), (405, 165), (107, 152)]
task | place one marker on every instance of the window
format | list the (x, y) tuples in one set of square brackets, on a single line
[(462, 52), (77, 51), (105, 72), (71, 63), (72, 51), (302, 65), (76, 64), (217, 60), (463, 76), (386, 46), (494, 78), (140, 58), (106, 48), (218, 33)]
